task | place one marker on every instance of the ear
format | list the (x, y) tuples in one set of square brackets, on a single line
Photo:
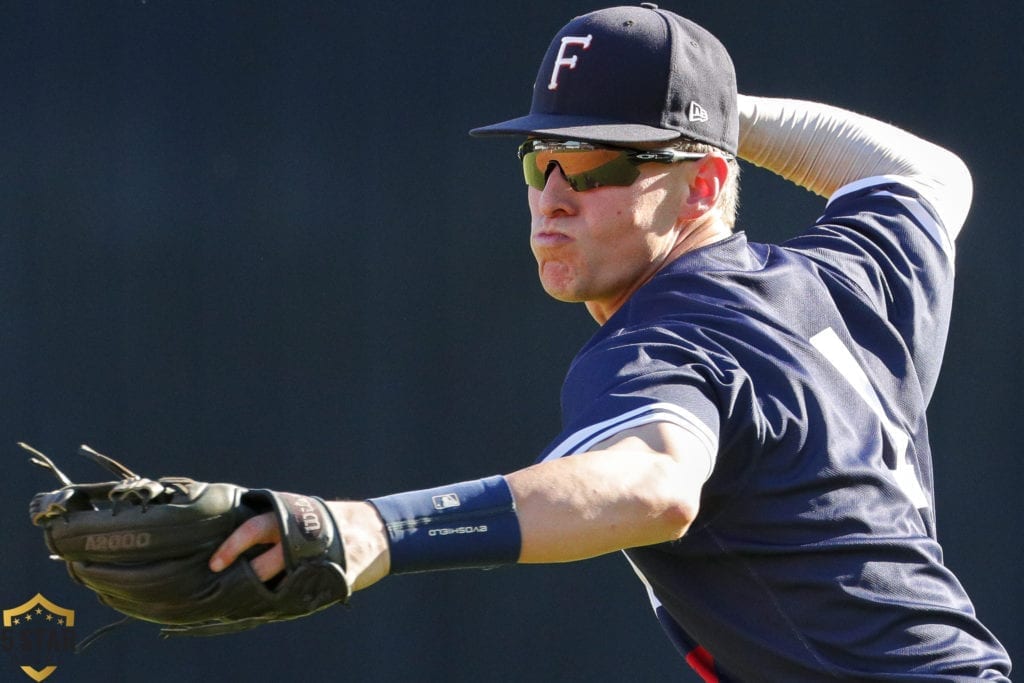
[(705, 185)]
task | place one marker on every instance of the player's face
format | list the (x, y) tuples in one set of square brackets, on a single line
[(601, 245)]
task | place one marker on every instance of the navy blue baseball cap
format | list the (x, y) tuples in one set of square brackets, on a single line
[(632, 74)]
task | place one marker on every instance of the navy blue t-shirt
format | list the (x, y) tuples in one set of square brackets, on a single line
[(807, 368)]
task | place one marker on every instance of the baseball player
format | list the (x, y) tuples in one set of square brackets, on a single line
[(748, 421)]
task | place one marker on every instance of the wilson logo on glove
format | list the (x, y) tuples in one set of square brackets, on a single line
[(305, 514)]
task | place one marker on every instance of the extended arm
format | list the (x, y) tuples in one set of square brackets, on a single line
[(639, 488)]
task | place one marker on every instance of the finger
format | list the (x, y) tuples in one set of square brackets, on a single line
[(257, 530), (269, 564)]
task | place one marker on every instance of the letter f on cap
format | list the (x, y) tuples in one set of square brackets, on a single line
[(562, 60)]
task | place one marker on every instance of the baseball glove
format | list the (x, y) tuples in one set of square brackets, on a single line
[(143, 545)]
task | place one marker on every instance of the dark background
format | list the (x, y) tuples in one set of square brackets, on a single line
[(252, 242)]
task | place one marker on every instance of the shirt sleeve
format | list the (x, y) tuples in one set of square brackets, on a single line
[(639, 377)]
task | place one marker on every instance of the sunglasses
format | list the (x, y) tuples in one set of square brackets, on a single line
[(586, 166)]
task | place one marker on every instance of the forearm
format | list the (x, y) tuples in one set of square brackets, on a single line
[(563, 510), (637, 488), (823, 148)]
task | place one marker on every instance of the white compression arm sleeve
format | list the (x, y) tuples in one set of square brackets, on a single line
[(822, 148)]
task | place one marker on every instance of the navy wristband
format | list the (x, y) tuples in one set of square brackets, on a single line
[(470, 524)]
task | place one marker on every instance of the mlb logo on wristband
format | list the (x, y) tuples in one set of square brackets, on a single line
[(446, 501), (469, 524)]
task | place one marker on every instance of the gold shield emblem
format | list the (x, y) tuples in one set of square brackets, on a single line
[(41, 629)]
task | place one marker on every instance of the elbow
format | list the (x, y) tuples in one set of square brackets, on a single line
[(945, 181), (956, 168), (964, 184), (675, 518), (954, 176), (676, 502)]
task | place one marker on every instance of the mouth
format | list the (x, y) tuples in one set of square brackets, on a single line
[(549, 238)]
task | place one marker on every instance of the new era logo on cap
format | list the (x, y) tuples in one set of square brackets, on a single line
[(697, 113)]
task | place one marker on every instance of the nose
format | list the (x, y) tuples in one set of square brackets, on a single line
[(555, 176), (550, 170), (556, 197)]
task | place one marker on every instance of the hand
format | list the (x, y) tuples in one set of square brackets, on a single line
[(365, 540), (260, 530)]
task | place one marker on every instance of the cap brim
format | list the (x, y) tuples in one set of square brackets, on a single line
[(577, 128)]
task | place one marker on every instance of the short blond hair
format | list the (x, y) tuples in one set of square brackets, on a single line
[(728, 202)]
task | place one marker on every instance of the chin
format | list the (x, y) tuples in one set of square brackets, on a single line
[(559, 282), (568, 298), (559, 293)]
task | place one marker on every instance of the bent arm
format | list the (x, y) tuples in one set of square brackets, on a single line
[(822, 148)]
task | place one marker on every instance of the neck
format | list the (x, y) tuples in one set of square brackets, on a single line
[(700, 234)]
